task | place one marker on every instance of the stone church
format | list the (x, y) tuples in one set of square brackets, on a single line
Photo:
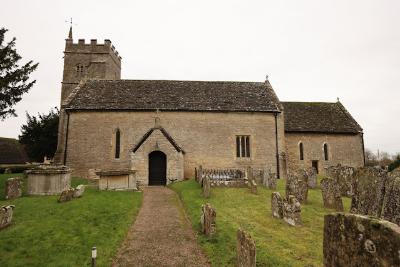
[(163, 129)]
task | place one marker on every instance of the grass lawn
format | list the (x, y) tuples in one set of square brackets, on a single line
[(47, 233), (278, 244)]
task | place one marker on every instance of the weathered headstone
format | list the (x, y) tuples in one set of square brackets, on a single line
[(245, 250), (6, 214), (369, 190), (13, 188), (208, 220), (391, 202), (357, 240), (79, 190), (292, 211), (297, 185), (344, 176), (200, 174), (66, 195), (7, 170), (253, 186), (269, 179), (92, 174), (277, 205), (206, 187), (311, 177), (331, 194)]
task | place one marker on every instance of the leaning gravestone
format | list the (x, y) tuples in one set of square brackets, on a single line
[(369, 190), (208, 220), (344, 176), (245, 250), (251, 180), (200, 174), (311, 177), (292, 211), (391, 202), (277, 205), (331, 194), (269, 179), (253, 186), (79, 190), (13, 188), (357, 240), (66, 195), (297, 185), (6, 214), (206, 187)]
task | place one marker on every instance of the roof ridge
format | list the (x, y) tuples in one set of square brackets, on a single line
[(165, 80)]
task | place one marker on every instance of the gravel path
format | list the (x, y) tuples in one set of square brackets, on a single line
[(161, 234)]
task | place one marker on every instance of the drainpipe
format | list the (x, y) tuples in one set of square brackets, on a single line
[(66, 140), (277, 147), (363, 148)]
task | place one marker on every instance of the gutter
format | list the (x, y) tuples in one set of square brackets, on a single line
[(278, 175), (66, 140)]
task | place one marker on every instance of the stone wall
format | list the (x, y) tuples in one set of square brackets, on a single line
[(208, 139), (345, 149)]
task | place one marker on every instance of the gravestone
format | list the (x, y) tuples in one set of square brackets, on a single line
[(200, 174), (391, 202), (331, 194), (253, 186), (13, 188), (66, 195), (6, 215), (206, 187), (245, 250), (369, 190), (277, 205), (79, 190), (297, 185), (344, 176), (292, 211), (48, 179), (269, 179), (357, 240), (311, 177), (7, 171), (208, 220)]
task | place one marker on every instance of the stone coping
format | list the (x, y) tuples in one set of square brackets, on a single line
[(49, 169), (115, 172)]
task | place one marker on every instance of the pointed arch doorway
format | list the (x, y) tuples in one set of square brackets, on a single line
[(157, 168)]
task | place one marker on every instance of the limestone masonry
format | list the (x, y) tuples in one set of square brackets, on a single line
[(162, 130)]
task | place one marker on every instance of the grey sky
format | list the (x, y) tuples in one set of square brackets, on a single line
[(312, 50)]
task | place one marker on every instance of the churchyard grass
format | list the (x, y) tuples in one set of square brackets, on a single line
[(47, 233), (278, 244)]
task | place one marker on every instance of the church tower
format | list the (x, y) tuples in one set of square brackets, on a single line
[(88, 61), (81, 62)]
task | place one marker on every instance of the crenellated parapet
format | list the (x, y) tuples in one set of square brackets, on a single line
[(92, 47)]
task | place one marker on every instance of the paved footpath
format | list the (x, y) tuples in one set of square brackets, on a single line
[(161, 234)]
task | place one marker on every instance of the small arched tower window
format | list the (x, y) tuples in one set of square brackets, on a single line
[(117, 143), (301, 150), (326, 152), (79, 70)]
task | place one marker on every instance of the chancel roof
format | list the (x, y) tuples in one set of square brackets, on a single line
[(318, 117)]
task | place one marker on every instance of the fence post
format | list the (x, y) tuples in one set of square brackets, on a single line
[(94, 256)]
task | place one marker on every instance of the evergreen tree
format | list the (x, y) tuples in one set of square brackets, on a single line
[(13, 77), (39, 135)]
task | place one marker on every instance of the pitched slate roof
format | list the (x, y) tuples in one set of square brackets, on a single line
[(12, 152), (164, 132), (318, 117), (173, 96)]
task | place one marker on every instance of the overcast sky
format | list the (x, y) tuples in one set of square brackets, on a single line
[(312, 50)]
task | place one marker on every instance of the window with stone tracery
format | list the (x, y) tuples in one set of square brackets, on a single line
[(243, 146)]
